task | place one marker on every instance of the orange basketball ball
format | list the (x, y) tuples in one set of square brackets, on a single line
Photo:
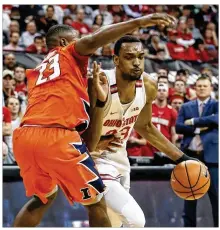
[(190, 180)]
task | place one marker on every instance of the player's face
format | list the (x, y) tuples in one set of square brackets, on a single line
[(131, 60)]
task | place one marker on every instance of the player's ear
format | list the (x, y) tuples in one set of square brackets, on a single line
[(116, 60), (63, 42)]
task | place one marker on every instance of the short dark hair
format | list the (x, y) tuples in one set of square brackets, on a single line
[(163, 77), (182, 71), (204, 76), (124, 39), (54, 32), (19, 66), (38, 37), (50, 6)]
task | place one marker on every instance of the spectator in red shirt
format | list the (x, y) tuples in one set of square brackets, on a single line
[(135, 144), (202, 53), (78, 23), (176, 101), (37, 47), (163, 117), (7, 127), (67, 20), (19, 75), (177, 51)]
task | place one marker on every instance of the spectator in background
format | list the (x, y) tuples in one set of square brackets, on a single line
[(163, 118), (204, 16), (7, 87), (19, 75), (202, 53), (198, 122), (13, 45), (27, 37), (107, 50), (48, 20), (196, 34), (103, 10), (176, 51), (71, 10), (13, 27), (133, 11), (37, 47), (156, 49), (183, 75), (58, 11), (14, 106), (98, 20), (185, 38), (210, 38), (67, 20), (6, 127), (29, 13), (5, 21), (88, 15), (78, 23), (176, 101), (135, 143), (186, 12), (162, 73), (9, 61)]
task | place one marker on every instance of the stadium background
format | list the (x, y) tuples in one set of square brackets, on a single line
[(24, 29)]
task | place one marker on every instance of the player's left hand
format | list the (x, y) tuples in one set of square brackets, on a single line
[(100, 83), (106, 143)]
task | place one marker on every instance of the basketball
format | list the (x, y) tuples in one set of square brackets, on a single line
[(190, 180)]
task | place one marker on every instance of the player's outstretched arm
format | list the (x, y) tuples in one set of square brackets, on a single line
[(147, 130), (107, 34), (98, 93)]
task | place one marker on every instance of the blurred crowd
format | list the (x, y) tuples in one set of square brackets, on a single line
[(194, 39)]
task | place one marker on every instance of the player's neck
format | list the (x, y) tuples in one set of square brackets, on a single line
[(161, 104), (126, 89)]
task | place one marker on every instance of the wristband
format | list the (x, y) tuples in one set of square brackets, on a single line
[(100, 104), (184, 157)]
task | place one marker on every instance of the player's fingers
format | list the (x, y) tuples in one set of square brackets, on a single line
[(114, 145)]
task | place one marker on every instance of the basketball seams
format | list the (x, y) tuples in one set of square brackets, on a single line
[(193, 196), (189, 180), (200, 169), (194, 190), (178, 180)]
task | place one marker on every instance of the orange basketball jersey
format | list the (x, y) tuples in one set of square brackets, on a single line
[(57, 90)]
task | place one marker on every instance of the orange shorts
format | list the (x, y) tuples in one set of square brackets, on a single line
[(48, 157)]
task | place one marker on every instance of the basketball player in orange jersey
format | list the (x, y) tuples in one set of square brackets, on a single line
[(128, 106), (47, 146)]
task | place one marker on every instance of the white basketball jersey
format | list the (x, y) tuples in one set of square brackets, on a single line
[(119, 120)]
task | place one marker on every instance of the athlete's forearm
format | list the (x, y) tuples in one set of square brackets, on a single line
[(95, 128), (159, 141)]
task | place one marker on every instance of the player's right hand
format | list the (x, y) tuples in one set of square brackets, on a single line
[(158, 19), (100, 83)]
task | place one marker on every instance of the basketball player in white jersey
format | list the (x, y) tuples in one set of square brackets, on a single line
[(128, 105)]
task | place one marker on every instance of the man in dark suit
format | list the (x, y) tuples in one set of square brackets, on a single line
[(198, 122)]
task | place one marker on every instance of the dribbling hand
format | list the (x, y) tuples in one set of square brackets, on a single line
[(100, 83)]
